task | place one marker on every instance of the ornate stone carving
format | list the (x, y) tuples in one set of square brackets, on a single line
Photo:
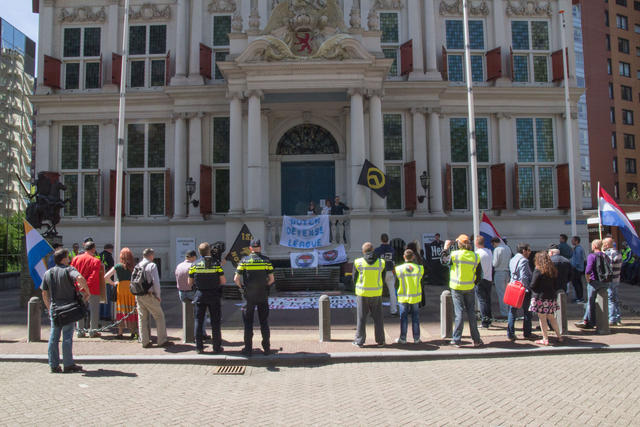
[(388, 5), (236, 22), (307, 139), (82, 14), (254, 19), (354, 18), (222, 6), (149, 12), (476, 7), (373, 20), (528, 8)]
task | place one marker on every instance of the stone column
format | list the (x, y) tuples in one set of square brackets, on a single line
[(43, 141), (357, 150), (507, 153), (254, 153), (420, 151), (45, 41), (196, 38), (430, 40), (236, 175), (435, 162), (112, 37), (195, 157), (415, 34), (182, 45), (500, 30), (180, 157), (377, 143)]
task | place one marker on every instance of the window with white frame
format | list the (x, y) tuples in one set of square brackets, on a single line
[(221, 164), (147, 55), (536, 162), (221, 30), (458, 131), (390, 39), (146, 169), (81, 57), (393, 158), (455, 50), (79, 148), (531, 51)]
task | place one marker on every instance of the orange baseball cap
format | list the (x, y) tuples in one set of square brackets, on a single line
[(463, 238)]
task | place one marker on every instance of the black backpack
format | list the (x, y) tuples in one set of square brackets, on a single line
[(603, 268), (139, 284)]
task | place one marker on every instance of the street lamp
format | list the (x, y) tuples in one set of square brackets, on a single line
[(425, 182), (190, 185)]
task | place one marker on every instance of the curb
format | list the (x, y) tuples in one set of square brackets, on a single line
[(305, 359)]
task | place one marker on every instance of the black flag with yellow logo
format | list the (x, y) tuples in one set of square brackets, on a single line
[(240, 247), (372, 177)]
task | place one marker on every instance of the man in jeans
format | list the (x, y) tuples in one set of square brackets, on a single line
[(90, 267), (58, 289), (594, 282), (185, 291), (501, 258), (615, 259), (577, 266), (483, 289), (149, 304), (520, 271)]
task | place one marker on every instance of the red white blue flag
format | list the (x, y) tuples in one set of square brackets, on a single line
[(611, 214), (488, 231)]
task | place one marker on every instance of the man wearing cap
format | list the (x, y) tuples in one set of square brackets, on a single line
[(563, 265), (465, 273), (91, 269), (254, 276), (367, 275)]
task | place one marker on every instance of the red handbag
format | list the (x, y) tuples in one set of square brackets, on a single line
[(514, 294)]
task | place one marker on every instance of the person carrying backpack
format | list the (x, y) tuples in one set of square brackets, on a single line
[(599, 274)]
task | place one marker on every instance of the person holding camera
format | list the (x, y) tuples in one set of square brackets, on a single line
[(205, 278), (465, 273)]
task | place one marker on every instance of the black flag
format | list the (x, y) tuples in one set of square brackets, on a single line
[(240, 246), (372, 177)]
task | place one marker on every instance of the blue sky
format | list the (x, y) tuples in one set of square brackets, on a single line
[(18, 13)]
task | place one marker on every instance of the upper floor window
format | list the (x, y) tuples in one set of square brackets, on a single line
[(460, 170), (614, 140), (629, 141), (612, 115), (531, 50), (626, 93), (623, 45), (625, 69), (630, 166), (622, 22), (221, 30), (621, 2), (221, 164), (393, 158), (79, 168), (455, 50), (627, 117), (609, 66), (636, 5), (145, 169), (614, 164), (390, 39), (81, 58), (636, 28), (610, 90), (606, 18), (536, 162), (147, 55)]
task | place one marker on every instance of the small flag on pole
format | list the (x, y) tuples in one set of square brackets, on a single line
[(240, 247), (488, 231), (372, 177), (37, 249), (613, 215)]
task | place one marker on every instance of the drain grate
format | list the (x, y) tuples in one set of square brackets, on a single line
[(229, 370)]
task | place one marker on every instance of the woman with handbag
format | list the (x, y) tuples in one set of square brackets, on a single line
[(125, 301), (543, 298)]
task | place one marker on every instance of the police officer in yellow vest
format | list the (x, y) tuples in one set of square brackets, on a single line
[(368, 276), (409, 295), (465, 273)]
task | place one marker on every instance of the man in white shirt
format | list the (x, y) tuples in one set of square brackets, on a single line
[(483, 289), (501, 257), (149, 303)]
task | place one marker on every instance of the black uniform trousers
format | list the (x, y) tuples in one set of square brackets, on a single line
[(200, 309), (263, 316)]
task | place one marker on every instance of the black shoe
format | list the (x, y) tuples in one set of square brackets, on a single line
[(266, 351), (56, 370), (218, 350), (71, 369), (246, 352), (200, 350), (357, 344)]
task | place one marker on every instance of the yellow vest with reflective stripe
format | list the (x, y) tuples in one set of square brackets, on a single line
[(369, 282), (464, 264), (409, 289)]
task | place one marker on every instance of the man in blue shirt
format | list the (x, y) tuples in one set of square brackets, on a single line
[(565, 249), (577, 267)]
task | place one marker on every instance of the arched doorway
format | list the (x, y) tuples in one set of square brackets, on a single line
[(305, 179)]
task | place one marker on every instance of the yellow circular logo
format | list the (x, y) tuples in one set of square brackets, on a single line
[(375, 178)]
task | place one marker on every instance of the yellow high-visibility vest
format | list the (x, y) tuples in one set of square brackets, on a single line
[(369, 282), (464, 264), (409, 289)]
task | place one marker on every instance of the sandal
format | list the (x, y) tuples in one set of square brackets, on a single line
[(542, 342)]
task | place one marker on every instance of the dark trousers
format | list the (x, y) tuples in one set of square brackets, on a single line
[(200, 310), (366, 305), (483, 292), (576, 281), (263, 316), (526, 323)]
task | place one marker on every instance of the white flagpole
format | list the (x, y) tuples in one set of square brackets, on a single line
[(567, 125), (599, 215), (471, 123), (121, 110)]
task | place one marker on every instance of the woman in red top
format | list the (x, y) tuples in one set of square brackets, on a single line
[(543, 298)]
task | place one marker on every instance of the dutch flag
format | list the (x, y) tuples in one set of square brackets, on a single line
[(37, 249), (613, 215), (488, 231)]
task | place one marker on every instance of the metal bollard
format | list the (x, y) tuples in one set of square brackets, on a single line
[(187, 323), (602, 311), (324, 318), (561, 314), (34, 319), (446, 315)]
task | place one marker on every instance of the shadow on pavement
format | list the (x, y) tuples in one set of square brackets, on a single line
[(179, 348), (423, 346), (100, 373)]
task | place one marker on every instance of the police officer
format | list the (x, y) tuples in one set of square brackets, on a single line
[(367, 272), (465, 273), (387, 253), (409, 295), (205, 277), (254, 275)]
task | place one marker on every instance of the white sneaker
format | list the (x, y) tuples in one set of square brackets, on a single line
[(417, 340), (400, 341)]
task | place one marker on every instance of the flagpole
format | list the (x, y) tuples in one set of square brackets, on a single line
[(471, 123), (567, 125), (599, 216), (120, 149)]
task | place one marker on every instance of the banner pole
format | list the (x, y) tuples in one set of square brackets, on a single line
[(599, 216)]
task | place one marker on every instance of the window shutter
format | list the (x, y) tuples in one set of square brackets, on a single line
[(410, 196), (35, 6), (168, 194), (511, 63), (206, 178), (516, 189), (100, 186), (205, 60), (116, 68), (557, 65), (406, 58), (52, 67), (167, 69), (498, 187), (564, 196), (494, 64), (112, 192), (447, 188), (445, 75), (100, 73)]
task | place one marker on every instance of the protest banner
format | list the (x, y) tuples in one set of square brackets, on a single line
[(306, 233)]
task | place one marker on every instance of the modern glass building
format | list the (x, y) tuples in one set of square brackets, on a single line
[(12, 38)]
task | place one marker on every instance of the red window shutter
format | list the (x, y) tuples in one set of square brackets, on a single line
[(516, 189), (557, 65), (52, 67), (205, 60), (494, 64), (206, 178), (112, 192), (498, 186), (35, 6), (447, 188), (564, 195), (410, 196), (168, 193), (445, 75), (406, 58), (511, 62), (167, 69), (116, 68)]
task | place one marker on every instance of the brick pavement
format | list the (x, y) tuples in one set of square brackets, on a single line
[(585, 389)]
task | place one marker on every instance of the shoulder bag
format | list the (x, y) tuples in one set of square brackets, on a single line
[(63, 315)]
